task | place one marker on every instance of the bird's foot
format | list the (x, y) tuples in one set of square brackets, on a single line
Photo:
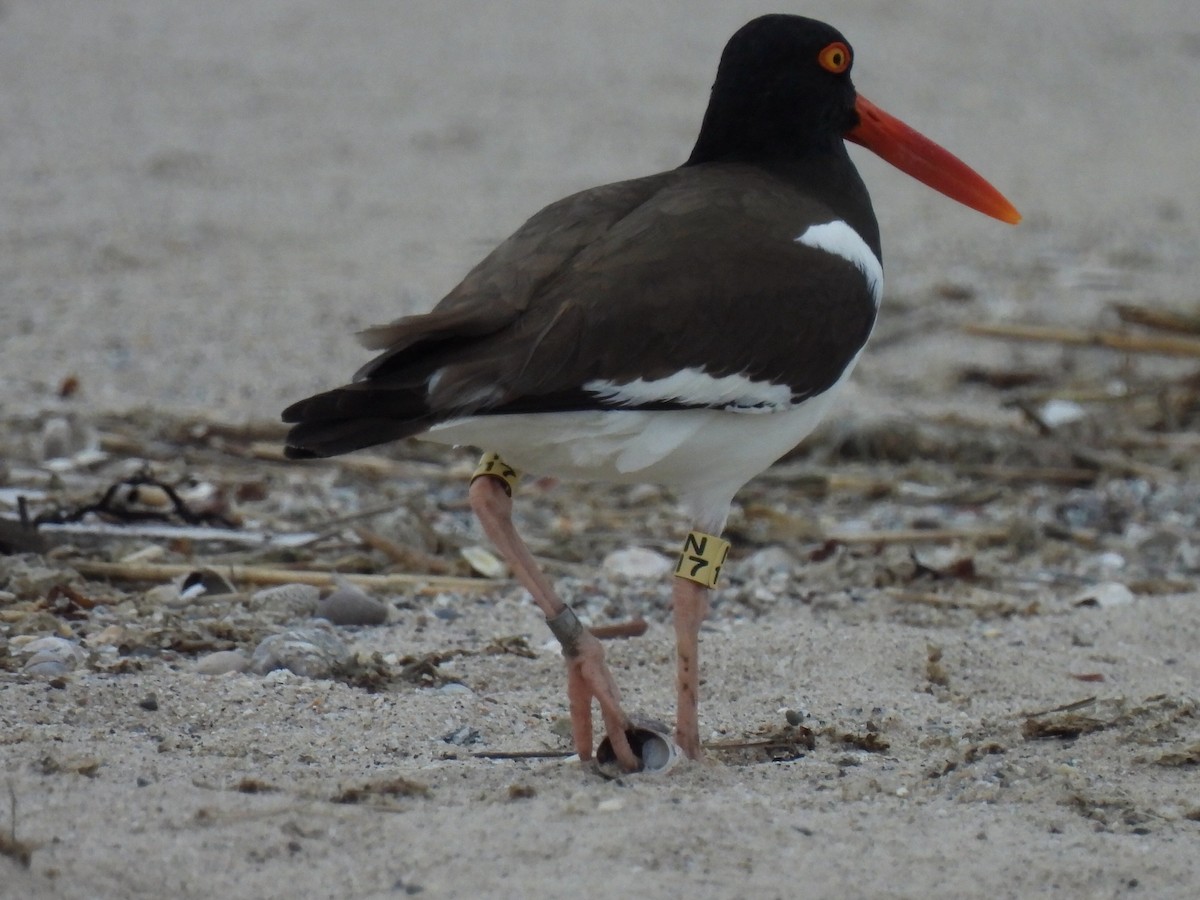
[(588, 679)]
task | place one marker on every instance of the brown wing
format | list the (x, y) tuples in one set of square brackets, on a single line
[(388, 397), (695, 268)]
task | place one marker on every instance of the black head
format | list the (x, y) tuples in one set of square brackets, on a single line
[(782, 91)]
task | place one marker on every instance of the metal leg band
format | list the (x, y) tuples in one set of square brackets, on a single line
[(568, 629)]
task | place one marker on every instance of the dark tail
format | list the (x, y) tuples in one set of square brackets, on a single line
[(352, 418)]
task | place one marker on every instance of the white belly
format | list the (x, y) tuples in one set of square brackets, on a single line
[(703, 455)]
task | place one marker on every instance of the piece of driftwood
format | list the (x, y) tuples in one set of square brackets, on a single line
[(162, 572), (1165, 345), (1036, 474), (409, 557)]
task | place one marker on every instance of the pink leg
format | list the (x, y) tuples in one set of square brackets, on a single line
[(690, 601), (588, 676)]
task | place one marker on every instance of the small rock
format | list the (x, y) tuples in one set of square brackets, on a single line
[(286, 602), (314, 652), (222, 662), (348, 605), (637, 563), (149, 702)]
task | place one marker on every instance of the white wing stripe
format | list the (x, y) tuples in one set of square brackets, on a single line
[(840, 239), (694, 387)]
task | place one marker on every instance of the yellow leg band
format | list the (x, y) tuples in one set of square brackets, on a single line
[(701, 558), (491, 464)]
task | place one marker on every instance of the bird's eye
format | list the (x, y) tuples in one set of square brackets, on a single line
[(835, 58)]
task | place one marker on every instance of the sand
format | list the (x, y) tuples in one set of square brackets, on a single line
[(200, 201)]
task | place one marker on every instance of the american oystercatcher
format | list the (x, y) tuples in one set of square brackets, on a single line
[(686, 329)]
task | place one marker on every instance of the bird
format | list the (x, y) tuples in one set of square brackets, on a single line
[(686, 329)]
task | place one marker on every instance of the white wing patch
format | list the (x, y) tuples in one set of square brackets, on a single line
[(840, 239), (695, 387)]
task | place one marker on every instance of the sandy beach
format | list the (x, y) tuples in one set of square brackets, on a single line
[(974, 596)]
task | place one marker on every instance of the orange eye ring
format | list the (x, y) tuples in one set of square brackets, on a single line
[(835, 58)]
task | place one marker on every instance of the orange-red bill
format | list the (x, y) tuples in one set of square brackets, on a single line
[(911, 152)]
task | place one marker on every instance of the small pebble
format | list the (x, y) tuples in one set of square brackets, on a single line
[(314, 652), (348, 605), (149, 702)]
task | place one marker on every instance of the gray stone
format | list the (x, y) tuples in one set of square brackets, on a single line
[(315, 652), (348, 605)]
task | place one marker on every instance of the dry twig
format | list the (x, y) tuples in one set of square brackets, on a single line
[(1113, 340), (1162, 319), (161, 572)]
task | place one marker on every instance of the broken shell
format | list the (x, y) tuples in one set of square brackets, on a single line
[(285, 602), (52, 656), (1105, 594), (204, 581), (484, 562), (314, 652), (650, 741)]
